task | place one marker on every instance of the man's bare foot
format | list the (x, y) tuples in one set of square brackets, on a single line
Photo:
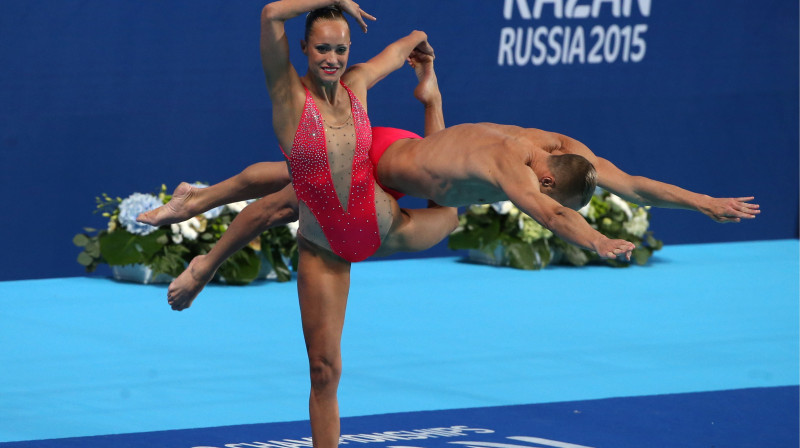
[(185, 288), (178, 209)]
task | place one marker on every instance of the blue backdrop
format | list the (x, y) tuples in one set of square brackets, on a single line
[(118, 97)]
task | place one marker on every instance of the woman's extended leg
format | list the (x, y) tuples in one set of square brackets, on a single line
[(273, 210), (257, 180), (323, 282), (419, 229)]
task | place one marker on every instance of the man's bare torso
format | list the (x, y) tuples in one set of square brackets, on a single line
[(461, 165)]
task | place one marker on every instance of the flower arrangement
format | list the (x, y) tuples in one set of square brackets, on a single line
[(168, 249), (501, 234)]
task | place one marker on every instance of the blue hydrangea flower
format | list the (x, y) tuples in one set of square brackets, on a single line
[(214, 212), (131, 207)]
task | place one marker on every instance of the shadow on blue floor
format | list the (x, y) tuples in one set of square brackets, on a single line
[(749, 418)]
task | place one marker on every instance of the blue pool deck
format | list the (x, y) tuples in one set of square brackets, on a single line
[(90, 356)]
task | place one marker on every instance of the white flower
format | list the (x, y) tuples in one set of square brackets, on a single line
[(479, 209), (177, 238), (503, 207), (530, 230), (293, 228), (639, 224), (586, 210), (187, 229), (237, 207), (620, 204), (214, 212)]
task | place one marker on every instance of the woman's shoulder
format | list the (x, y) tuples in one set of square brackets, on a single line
[(355, 83), (356, 76)]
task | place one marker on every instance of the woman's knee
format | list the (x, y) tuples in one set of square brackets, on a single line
[(325, 372)]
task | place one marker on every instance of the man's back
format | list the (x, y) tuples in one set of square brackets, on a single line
[(461, 165)]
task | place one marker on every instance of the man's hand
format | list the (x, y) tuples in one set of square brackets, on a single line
[(615, 249), (730, 209)]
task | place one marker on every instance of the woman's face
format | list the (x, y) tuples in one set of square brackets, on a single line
[(327, 49)]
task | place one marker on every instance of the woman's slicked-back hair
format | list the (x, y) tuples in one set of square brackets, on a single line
[(574, 176), (326, 13)]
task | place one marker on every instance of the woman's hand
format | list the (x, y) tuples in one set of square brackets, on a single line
[(424, 48), (350, 7)]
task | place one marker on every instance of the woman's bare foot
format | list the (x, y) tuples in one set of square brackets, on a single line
[(427, 90), (178, 209), (185, 288)]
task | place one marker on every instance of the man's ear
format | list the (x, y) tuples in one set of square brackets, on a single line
[(547, 182)]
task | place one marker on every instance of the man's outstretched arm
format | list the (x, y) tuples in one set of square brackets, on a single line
[(522, 188), (644, 191)]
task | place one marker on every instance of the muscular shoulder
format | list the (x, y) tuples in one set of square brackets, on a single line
[(562, 144)]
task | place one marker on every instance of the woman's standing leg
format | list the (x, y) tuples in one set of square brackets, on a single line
[(323, 282)]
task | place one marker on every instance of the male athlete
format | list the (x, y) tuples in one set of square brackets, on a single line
[(546, 175)]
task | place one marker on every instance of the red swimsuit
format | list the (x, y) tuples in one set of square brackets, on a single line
[(352, 234), (382, 138)]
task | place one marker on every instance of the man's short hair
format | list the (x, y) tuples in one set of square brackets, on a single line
[(574, 177)]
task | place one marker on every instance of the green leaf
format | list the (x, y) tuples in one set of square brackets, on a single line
[(617, 263), (80, 240), (93, 248), (169, 260), (241, 268), (544, 251), (119, 248), (85, 259), (122, 247), (575, 255), (282, 271), (274, 258), (463, 240), (521, 256), (150, 244), (640, 255)]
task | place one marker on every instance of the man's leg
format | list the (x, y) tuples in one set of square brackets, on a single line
[(273, 210), (323, 282), (257, 180)]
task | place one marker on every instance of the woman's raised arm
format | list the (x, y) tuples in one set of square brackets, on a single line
[(392, 57)]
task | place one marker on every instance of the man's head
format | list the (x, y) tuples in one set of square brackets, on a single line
[(573, 180)]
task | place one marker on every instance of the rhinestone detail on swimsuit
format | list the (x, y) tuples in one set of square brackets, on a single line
[(313, 184)]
